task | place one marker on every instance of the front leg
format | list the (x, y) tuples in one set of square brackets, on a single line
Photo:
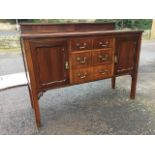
[(133, 86), (113, 82), (36, 110)]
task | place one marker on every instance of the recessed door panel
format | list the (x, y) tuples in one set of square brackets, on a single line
[(125, 54), (49, 59)]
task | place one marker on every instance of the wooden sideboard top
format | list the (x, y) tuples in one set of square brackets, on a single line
[(80, 33), (70, 30), (29, 28)]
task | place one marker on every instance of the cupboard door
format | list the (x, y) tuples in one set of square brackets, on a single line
[(125, 54), (49, 59)]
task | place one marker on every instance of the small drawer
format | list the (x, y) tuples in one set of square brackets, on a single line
[(81, 44), (101, 72), (81, 75), (102, 57), (80, 60), (102, 43)]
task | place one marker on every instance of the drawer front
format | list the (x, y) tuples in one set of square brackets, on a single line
[(101, 72), (100, 43), (80, 60), (102, 57), (81, 44), (81, 75)]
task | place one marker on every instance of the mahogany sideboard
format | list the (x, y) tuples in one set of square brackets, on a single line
[(59, 55)]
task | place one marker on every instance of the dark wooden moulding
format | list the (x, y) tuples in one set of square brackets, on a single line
[(60, 55)]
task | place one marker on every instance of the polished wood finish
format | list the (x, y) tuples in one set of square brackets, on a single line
[(125, 61), (81, 75), (102, 72), (101, 57), (97, 60), (81, 44), (104, 42), (81, 59), (49, 58), (67, 27), (59, 55)]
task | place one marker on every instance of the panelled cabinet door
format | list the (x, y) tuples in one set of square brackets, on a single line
[(49, 60), (125, 54)]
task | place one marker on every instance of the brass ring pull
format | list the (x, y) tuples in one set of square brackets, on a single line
[(81, 60), (82, 76)]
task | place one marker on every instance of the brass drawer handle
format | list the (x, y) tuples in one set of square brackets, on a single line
[(82, 76), (103, 72), (103, 57), (81, 60), (81, 47), (104, 45), (107, 42)]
